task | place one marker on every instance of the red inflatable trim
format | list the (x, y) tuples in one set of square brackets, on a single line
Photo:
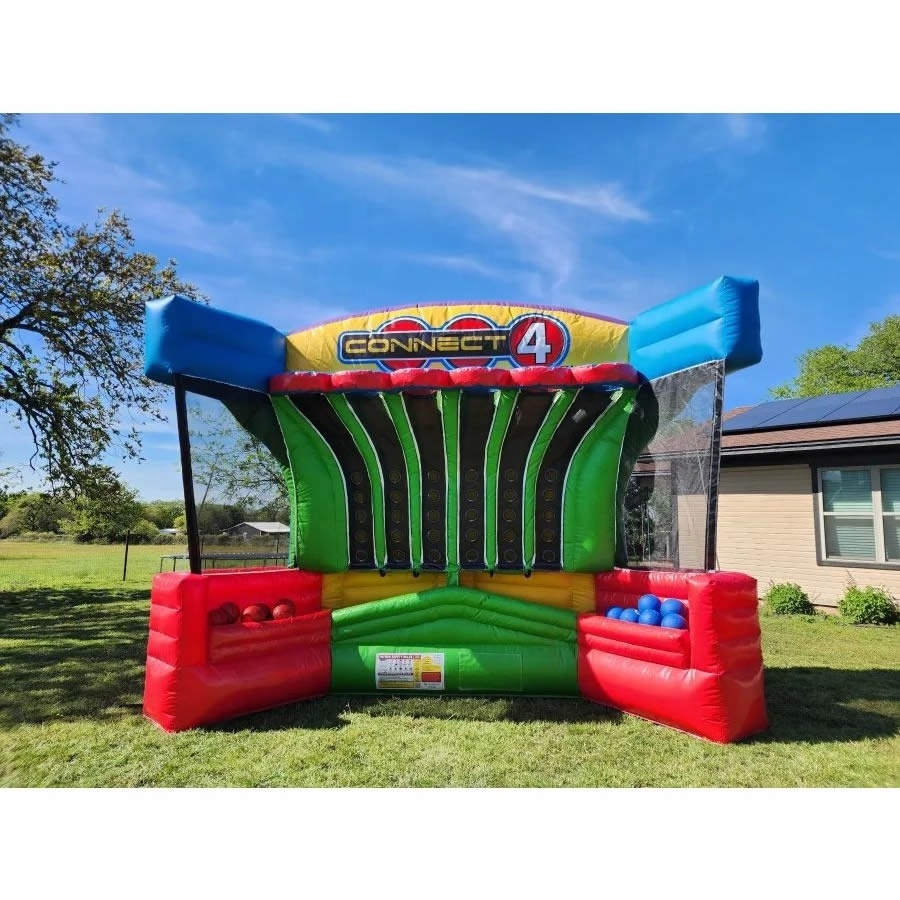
[(427, 379), (543, 377), (413, 379), (481, 376), (300, 382), (607, 374), (361, 380)]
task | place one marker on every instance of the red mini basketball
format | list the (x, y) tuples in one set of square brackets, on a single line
[(284, 609), (257, 612), (231, 612), (217, 616)]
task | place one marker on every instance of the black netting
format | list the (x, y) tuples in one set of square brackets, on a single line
[(670, 500)]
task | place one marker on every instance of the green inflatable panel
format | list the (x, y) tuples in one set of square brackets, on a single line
[(318, 498), (397, 411), (463, 639), (366, 448), (589, 501)]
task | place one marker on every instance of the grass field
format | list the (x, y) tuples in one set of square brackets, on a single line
[(72, 644)]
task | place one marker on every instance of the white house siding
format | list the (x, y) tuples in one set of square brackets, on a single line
[(767, 528), (692, 531)]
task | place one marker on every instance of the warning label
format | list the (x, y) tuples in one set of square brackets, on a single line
[(409, 671)]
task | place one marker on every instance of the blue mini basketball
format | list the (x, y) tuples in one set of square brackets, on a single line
[(673, 620), (650, 617), (672, 606), (614, 612), (629, 615), (648, 601)]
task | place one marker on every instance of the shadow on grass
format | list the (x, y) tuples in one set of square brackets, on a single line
[(331, 711), (72, 653), (80, 653), (818, 705), (806, 705)]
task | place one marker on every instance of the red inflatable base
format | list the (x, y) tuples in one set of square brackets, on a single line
[(198, 674), (706, 680)]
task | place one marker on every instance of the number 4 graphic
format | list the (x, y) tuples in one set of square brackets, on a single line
[(534, 342)]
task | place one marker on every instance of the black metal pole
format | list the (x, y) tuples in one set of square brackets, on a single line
[(187, 476), (715, 455), (125, 564)]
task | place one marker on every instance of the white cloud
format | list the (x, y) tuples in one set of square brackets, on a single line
[(460, 264), (727, 134), (745, 129), (160, 196), (545, 224), (315, 123)]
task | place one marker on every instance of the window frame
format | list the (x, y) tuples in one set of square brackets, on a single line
[(878, 515)]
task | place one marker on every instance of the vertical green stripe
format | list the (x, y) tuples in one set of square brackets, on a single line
[(367, 450), (589, 495), (448, 401), (317, 493), (504, 404), (397, 412), (561, 403)]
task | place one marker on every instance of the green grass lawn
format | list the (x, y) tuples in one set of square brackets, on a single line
[(72, 643)]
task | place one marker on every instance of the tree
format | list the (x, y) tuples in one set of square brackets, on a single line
[(230, 462), (31, 511), (162, 513), (103, 511), (832, 369), (71, 324)]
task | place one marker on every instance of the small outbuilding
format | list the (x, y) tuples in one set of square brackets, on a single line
[(258, 529)]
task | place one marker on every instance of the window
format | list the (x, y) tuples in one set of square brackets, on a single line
[(860, 514)]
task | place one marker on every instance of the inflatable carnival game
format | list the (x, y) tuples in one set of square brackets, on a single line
[(458, 476)]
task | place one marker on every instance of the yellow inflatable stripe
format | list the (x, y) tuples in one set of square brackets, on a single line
[(343, 589), (564, 590)]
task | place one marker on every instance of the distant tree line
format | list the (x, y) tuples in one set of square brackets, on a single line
[(107, 516)]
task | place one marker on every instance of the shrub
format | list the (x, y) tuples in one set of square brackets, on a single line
[(868, 606), (143, 532), (789, 600)]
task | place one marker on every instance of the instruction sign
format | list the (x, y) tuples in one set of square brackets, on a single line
[(409, 671)]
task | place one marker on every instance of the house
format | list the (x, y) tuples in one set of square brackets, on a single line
[(258, 529), (809, 492)]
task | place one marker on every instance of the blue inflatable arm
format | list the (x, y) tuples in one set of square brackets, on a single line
[(719, 321), (188, 338)]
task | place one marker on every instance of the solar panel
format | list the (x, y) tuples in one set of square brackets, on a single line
[(813, 409), (850, 407), (759, 415), (875, 404)]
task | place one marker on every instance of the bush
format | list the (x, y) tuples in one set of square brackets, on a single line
[(789, 600), (143, 532), (868, 606), (41, 537)]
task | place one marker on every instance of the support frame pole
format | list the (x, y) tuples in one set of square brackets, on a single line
[(187, 476)]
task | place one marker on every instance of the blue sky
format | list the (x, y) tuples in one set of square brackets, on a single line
[(295, 219)]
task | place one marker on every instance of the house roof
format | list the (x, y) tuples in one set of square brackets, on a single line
[(270, 527), (771, 437), (827, 409), (814, 437), (834, 421)]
